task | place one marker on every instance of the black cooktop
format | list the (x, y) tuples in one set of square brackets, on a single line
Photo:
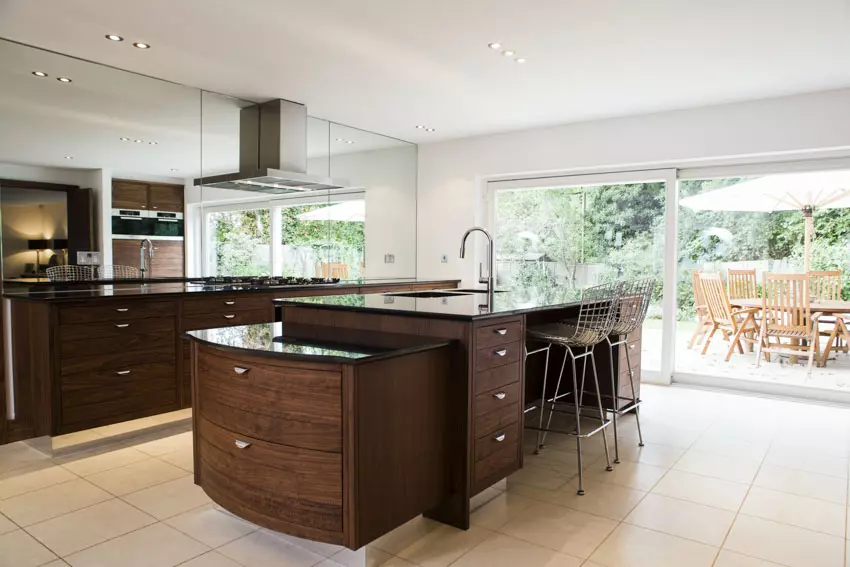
[(242, 282)]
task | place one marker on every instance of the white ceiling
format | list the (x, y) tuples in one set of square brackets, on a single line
[(386, 65)]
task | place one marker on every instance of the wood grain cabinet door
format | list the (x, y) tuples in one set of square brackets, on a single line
[(166, 198), (167, 259), (129, 195)]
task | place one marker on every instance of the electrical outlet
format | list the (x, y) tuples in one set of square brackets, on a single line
[(444, 259), (389, 258), (388, 300), (88, 258)]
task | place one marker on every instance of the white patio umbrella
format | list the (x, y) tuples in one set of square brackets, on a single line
[(802, 192), (350, 211)]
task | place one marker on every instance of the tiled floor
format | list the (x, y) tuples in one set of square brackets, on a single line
[(724, 480)]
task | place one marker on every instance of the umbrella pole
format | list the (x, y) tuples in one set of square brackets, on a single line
[(807, 238)]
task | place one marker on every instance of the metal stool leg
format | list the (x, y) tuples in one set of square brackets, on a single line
[(580, 491), (601, 412), (634, 395), (542, 403), (616, 402), (555, 397)]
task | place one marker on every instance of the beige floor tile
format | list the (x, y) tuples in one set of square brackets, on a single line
[(718, 466), (317, 547), (405, 535), (602, 499), (728, 558), (684, 519), (632, 546), (157, 545), (731, 446), (17, 455), (560, 529), (484, 497), (700, 489), (664, 434), (210, 559), (794, 510), (261, 549), (397, 562), (69, 441), (84, 528), (629, 474), (787, 545), (443, 545), (211, 526), (30, 478), (101, 459), (137, 476), (6, 525), (46, 503), (809, 461), (650, 454), (57, 563), (498, 511), (374, 558), (160, 446), (182, 458), (813, 485), (19, 549), (500, 550), (539, 477), (170, 498)]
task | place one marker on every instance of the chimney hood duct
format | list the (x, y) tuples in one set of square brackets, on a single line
[(273, 152)]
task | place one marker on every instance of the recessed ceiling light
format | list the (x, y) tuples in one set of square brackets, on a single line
[(69, 157), (508, 53), (113, 37), (340, 140), (494, 45), (39, 73), (63, 79), (520, 59), (153, 143), (124, 139), (138, 141), (429, 129), (420, 127), (141, 45), (174, 169)]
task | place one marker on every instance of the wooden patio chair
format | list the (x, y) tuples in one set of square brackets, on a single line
[(735, 325), (335, 270), (786, 314), (825, 285), (703, 318), (742, 283)]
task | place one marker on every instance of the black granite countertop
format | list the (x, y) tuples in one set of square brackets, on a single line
[(62, 292), (466, 306), (305, 342)]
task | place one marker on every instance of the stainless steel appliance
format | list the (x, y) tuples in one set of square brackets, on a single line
[(128, 224), (167, 225)]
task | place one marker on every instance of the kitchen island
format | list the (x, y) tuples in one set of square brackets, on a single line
[(491, 377), (85, 355), (335, 435)]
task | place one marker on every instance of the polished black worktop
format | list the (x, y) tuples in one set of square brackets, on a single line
[(75, 292), (317, 344), (468, 306)]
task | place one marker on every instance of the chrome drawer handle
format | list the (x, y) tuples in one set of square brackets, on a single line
[(229, 316), (501, 352), (230, 303), (242, 444), (501, 331), (632, 347), (122, 309), (499, 438), (123, 325), (123, 372), (500, 396), (240, 370)]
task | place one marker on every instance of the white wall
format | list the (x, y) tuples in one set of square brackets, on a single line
[(22, 222), (451, 174)]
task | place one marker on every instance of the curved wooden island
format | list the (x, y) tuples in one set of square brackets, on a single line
[(333, 435)]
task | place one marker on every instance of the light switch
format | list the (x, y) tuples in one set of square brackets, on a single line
[(88, 258), (444, 259)]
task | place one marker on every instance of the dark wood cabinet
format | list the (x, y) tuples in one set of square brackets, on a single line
[(128, 194), (168, 257)]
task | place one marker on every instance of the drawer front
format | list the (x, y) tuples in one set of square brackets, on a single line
[(502, 333), (228, 303), (105, 379), (286, 405), (136, 402), (114, 329), (117, 360), (499, 376), (118, 311), (498, 464), (228, 318), (498, 398), (298, 486), (493, 442), (497, 355), (490, 422), (131, 336)]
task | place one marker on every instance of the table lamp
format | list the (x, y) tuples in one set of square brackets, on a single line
[(38, 245)]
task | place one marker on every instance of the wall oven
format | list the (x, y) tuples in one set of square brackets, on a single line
[(137, 225), (167, 225)]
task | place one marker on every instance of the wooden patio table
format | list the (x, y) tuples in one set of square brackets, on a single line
[(833, 307)]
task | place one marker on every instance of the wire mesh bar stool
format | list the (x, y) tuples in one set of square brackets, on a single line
[(635, 296), (67, 273), (578, 337), (118, 272)]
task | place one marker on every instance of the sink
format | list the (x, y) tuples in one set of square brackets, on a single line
[(426, 294), (480, 290)]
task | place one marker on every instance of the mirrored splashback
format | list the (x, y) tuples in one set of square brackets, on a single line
[(95, 159)]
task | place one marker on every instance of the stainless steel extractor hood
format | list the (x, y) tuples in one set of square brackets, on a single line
[(273, 152)]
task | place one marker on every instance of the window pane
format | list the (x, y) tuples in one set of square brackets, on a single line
[(239, 243)]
